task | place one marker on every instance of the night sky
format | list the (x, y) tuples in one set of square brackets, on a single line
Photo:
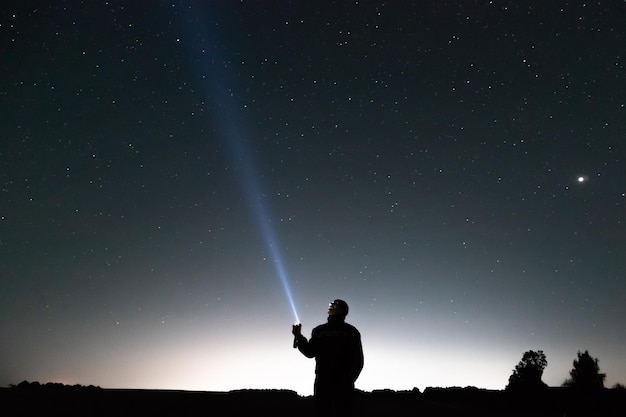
[(181, 181)]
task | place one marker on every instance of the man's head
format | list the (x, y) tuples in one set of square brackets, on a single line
[(338, 308)]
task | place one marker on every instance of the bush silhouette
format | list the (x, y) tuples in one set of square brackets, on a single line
[(585, 375), (527, 374)]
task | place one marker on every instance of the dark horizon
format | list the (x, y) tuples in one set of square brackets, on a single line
[(452, 401)]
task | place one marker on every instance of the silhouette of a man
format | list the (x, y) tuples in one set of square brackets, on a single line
[(336, 347)]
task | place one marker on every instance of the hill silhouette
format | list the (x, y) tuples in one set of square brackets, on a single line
[(34, 399)]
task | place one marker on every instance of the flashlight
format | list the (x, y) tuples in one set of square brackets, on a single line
[(296, 330)]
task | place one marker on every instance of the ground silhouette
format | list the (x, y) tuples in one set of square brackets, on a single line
[(34, 399)]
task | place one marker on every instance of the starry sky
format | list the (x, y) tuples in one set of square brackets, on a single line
[(181, 181)]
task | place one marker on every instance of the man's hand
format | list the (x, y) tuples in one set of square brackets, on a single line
[(296, 330)]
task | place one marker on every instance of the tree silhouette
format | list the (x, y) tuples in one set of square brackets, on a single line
[(585, 375), (527, 374)]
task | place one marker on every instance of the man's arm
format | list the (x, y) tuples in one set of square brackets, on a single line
[(301, 342), (357, 365), (306, 347)]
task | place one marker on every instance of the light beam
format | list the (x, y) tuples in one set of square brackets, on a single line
[(255, 198), (220, 90)]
